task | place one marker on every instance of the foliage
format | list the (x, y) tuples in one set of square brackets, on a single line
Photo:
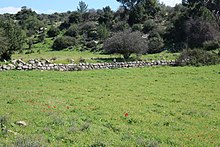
[(64, 25), (106, 16), (155, 43), (198, 57), (91, 44), (82, 8), (75, 17), (72, 31), (53, 32), (125, 43), (137, 27), (88, 26), (120, 26), (211, 45), (63, 42), (149, 25), (15, 39), (199, 31), (3, 44), (103, 32)]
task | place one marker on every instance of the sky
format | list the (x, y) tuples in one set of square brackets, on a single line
[(51, 6)]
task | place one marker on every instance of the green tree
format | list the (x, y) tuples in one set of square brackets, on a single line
[(15, 38), (106, 16), (103, 32), (72, 31), (53, 32), (82, 8), (3, 45), (75, 17), (125, 43)]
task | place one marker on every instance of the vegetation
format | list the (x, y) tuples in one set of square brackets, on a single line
[(112, 107), (12, 39), (190, 25), (125, 43), (63, 42), (198, 57), (120, 107)]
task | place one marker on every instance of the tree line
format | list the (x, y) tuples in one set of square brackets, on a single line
[(137, 26)]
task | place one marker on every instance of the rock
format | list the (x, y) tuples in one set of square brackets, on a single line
[(21, 123), (14, 62), (31, 62)]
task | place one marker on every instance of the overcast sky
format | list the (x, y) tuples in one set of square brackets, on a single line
[(51, 6)]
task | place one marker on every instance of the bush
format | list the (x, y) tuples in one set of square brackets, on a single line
[(197, 57), (72, 31), (149, 25), (88, 26), (137, 27), (211, 45), (63, 42), (53, 32), (155, 43), (120, 26), (75, 17), (91, 44)]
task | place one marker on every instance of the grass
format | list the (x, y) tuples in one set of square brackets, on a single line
[(44, 51), (166, 106)]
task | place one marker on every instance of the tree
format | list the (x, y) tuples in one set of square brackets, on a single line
[(63, 42), (198, 31), (15, 38), (53, 32), (106, 16), (103, 32), (82, 7), (125, 43), (75, 17), (3, 44), (72, 31)]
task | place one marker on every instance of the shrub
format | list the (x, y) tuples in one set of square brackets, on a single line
[(63, 42), (125, 43), (88, 26), (75, 17), (149, 25), (72, 31), (211, 45), (53, 32), (120, 26), (155, 43), (91, 44), (197, 57), (137, 27)]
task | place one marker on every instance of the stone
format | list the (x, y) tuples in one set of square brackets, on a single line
[(21, 123), (31, 61), (14, 61)]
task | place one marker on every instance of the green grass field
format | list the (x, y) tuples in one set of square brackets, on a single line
[(165, 106)]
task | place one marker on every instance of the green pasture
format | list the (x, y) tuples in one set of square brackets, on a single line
[(152, 106)]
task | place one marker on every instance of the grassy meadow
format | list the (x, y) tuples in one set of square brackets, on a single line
[(153, 106)]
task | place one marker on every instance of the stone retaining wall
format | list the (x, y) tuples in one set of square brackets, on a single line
[(47, 65)]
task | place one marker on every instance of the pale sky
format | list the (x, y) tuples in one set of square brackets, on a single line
[(51, 6)]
